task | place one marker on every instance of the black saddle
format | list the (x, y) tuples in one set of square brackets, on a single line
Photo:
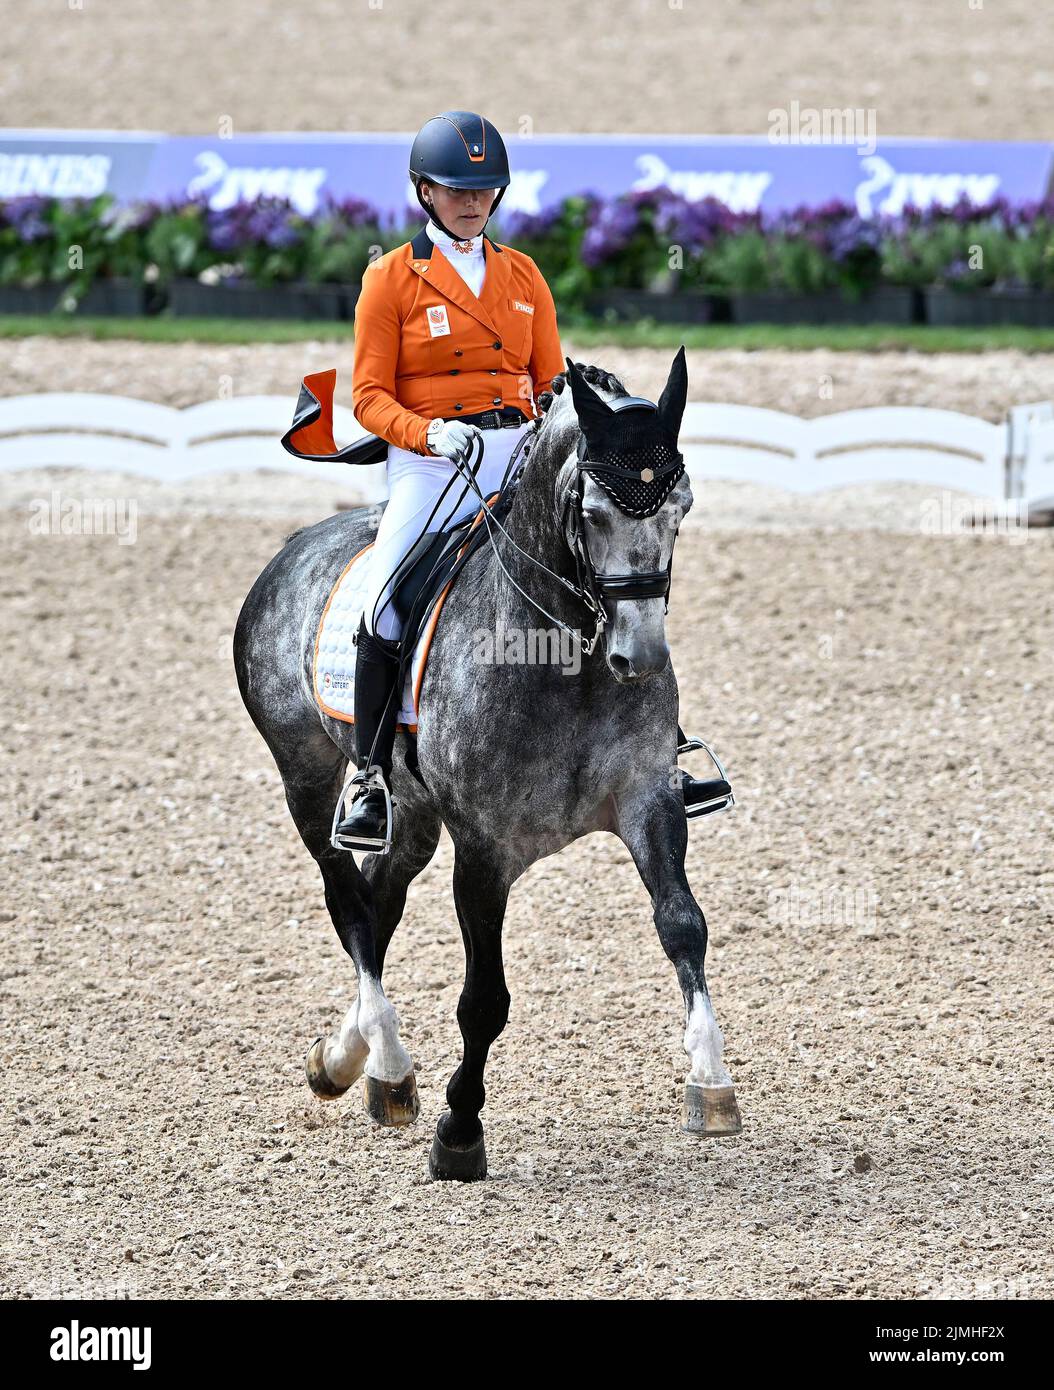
[(432, 561)]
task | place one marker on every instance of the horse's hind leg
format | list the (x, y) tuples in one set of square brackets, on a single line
[(389, 875), (655, 831), (365, 908), (481, 890), (369, 1038)]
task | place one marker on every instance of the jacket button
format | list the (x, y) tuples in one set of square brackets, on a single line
[(455, 371), (493, 371), (459, 406), (496, 346), (496, 400), (458, 352)]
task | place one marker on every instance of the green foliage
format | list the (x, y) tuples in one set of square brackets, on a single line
[(176, 243), (642, 240)]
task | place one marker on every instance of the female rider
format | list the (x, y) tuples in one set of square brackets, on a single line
[(455, 341), (454, 336)]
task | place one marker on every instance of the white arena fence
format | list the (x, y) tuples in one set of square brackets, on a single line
[(941, 448)]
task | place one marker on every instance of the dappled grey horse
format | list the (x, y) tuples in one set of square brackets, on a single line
[(515, 758)]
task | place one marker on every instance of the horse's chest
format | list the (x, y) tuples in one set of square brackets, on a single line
[(521, 779)]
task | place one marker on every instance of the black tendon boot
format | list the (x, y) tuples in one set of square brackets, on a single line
[(367, 824), (703, 798)]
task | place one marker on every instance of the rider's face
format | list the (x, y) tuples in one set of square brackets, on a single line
[(464, 211)]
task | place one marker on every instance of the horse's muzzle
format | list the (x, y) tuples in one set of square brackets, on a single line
[(638, 664)]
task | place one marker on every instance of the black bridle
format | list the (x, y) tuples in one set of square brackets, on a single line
[(640, 583), (592, 587), (595, 585)]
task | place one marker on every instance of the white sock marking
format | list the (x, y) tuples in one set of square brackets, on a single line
[(704, 1045), (345, 1055), (378, 1024)]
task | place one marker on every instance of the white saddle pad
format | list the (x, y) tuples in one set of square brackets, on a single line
[(335, 650)]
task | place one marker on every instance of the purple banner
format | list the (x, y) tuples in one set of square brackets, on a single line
[(65, 164), (880, 176)]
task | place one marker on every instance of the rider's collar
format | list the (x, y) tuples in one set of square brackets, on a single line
[(451, 246)]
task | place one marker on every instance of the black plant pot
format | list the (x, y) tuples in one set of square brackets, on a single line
[(688, 306), (1023, 308), (113, 298), (35, 299), (323, 303), (891, 304)]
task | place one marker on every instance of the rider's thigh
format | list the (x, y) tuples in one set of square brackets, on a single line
[(415, 486)]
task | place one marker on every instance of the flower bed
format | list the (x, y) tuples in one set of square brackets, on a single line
[(259, 259), (818, 265), (643, 255)]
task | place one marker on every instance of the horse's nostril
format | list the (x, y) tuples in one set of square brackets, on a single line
[(643, 665)]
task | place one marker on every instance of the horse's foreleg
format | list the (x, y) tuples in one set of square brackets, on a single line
[(656, 834), (481, 891)]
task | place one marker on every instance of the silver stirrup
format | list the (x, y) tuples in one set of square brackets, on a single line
[(716, 804), (359, 780)]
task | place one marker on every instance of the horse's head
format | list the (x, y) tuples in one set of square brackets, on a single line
[(622, 497)]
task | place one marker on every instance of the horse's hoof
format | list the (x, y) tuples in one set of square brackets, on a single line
[(318, 1078), (391, 1102), (447, 1164), (711, 1111)]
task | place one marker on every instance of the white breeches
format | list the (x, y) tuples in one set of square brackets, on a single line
[(415, 483)]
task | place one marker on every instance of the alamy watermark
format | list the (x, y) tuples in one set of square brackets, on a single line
[(801, 906), (831, 125), (79, 1342), (57, 515), (518, 646), (994, 518), (67, 1285), (960, 1284)]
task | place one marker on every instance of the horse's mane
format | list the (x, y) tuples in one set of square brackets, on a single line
[(559, 429)]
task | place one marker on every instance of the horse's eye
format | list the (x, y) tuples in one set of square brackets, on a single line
[(594, 517)]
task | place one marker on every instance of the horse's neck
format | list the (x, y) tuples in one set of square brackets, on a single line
[(537, 531)]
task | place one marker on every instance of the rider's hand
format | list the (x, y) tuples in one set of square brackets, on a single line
[(450, 439)]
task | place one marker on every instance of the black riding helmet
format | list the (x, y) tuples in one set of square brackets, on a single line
[(459, 150)]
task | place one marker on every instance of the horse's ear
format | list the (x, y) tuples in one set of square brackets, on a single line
[(674, 395), (592, 410)]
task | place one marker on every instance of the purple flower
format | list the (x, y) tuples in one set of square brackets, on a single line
[(697, 225), (526, 226), (611, 230), (853, 237), (28, 217), (353, 212), (269, 222)]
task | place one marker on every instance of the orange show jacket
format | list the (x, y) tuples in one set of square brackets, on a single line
[(425, 346)]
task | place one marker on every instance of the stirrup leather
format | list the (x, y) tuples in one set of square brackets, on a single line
[(723, 798), (355, 784)]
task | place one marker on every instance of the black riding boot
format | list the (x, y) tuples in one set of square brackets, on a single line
[(703, 798), (367, 824)]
